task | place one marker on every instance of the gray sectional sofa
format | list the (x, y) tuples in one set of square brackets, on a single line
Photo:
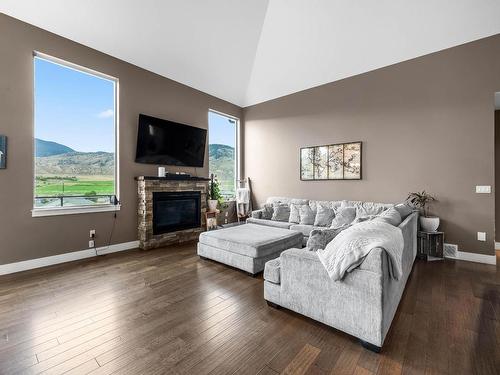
[(363, 304)]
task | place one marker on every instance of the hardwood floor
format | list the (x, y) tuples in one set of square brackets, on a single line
[(166, 311)]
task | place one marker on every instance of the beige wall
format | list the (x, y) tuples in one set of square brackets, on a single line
[(23, 237), (497, 174), (426, 124)]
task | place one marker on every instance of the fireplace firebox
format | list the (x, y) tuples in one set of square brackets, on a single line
[(174, 211)]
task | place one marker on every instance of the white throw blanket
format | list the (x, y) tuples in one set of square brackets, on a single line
[(350, 247), (243, 195)]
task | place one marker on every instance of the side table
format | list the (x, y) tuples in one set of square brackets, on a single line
[(430, 245)]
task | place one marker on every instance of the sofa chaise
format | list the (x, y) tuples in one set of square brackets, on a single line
[(364, 302)]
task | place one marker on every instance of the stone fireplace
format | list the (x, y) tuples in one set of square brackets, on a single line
[(170, 210)]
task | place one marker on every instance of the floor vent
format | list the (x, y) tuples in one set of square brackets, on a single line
[(450, 250)]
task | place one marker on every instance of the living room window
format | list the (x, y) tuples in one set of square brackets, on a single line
[(223, 139), (75, 133)]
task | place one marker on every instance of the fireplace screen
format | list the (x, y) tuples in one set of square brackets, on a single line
[(173, 211)]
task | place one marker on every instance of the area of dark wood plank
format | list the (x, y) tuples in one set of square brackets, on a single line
[(167, 311)]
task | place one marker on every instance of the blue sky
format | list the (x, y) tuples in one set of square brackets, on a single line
[(77, 110), (221, 130), (73, 108)]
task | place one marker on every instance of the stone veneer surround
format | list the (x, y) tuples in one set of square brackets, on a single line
[(145, 188)]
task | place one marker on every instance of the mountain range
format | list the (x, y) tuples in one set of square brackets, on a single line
[(49, 148), (221, 163), (56, 159)]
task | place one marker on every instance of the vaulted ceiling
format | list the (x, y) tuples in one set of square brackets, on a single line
[(250, 51)]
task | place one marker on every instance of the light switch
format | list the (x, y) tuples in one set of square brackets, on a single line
[(483, 189), (481, 236)]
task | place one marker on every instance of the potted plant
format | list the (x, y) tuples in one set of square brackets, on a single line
[(421, 200), (215, 197)]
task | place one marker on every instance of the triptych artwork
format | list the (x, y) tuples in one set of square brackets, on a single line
[(331, 162)]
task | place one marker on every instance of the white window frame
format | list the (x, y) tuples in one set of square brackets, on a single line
[(237, 156), (71, 210)]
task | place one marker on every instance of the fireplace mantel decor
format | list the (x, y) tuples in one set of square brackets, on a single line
[(170, 211)]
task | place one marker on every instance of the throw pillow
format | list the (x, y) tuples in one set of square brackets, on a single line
[(267, 211), (307, 215), (343, 216), (281, 212), (404, 210), (324, 216), (319, 238), (294, 213), (391, 216)]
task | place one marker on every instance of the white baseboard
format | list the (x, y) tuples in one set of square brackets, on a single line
[(6, 269), (478, 258)]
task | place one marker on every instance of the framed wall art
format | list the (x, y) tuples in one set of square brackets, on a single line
[(340, 161), (3, 152)]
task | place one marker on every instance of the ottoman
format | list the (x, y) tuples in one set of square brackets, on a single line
[(248, 246)]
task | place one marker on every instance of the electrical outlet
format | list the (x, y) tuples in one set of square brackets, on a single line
[(91, 243), (92, 233), (481, 236), (486, 189)]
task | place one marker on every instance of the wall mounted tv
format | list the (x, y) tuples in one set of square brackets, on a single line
[(169, 143)]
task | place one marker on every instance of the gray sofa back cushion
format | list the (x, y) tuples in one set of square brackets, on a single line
[(281, 212), (367, 208), (324, 216), (299, 201), (307, 215), (330, 204)]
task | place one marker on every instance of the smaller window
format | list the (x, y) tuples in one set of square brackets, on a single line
[(223, 134), (75, 136)]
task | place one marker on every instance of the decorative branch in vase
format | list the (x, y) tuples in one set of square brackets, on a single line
[(421, 200)]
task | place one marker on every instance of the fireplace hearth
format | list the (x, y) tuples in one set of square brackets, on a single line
[(170, 211)]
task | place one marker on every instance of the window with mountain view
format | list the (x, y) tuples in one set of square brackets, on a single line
[(75, 128), (223, 153)]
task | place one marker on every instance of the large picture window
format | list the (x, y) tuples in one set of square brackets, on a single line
[(223, 151), (75, 136)]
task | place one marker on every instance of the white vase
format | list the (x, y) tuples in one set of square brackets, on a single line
[(212, 205), (429, 223)]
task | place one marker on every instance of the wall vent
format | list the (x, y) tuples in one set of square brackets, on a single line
[(450, 250)]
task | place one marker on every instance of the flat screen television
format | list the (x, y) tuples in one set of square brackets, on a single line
[(169, 143)]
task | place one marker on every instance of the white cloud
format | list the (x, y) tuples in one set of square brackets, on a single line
[(106, 114)]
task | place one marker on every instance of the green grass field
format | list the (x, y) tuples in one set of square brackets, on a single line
[(53, 187)]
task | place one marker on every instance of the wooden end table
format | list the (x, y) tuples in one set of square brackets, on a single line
[(430, 245)]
